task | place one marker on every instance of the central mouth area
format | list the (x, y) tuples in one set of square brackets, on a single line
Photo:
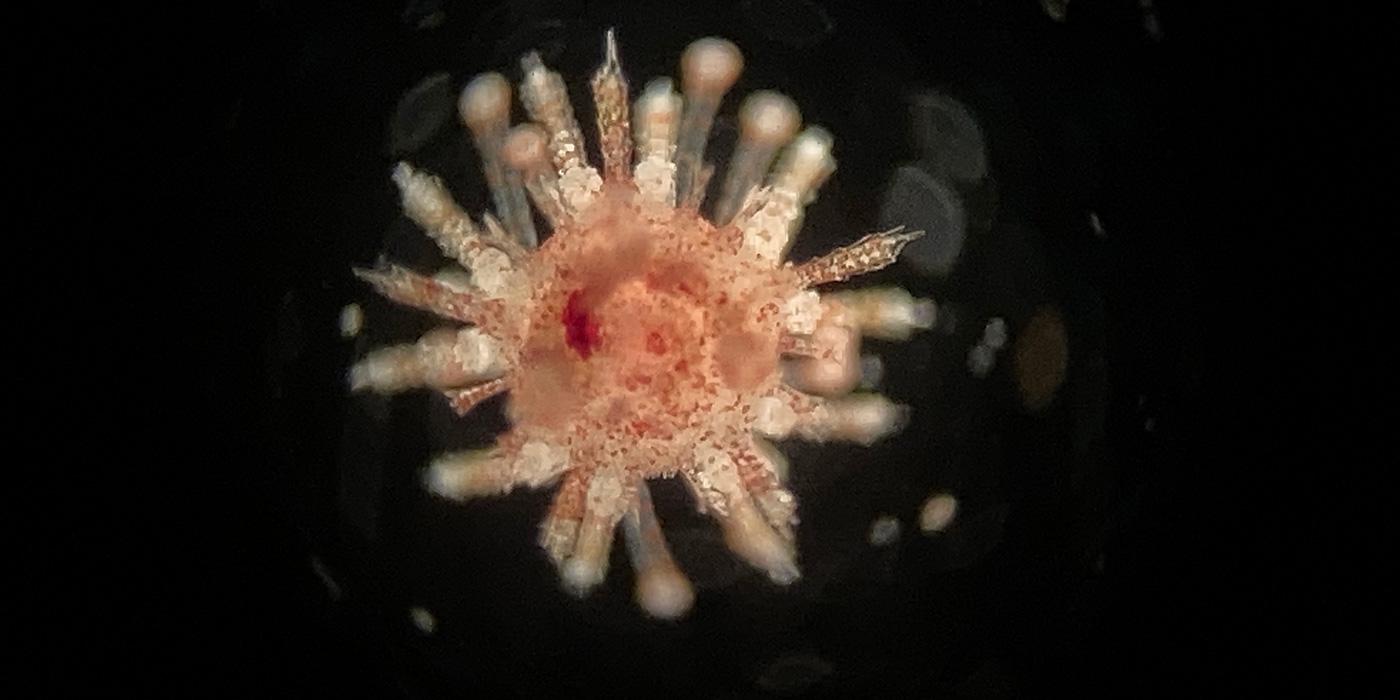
[(636, 329)]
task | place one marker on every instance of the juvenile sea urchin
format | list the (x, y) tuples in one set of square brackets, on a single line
[(640, 339)]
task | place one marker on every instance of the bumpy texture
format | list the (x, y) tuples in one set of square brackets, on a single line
[(641, 340)]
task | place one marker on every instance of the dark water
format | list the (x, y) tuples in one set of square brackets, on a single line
[(1049, 578)]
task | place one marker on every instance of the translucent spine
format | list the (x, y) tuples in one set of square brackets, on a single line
[(767, 121), (662, 589), (614, 129), (427, 203), (485, 109), (527, 152), (547, 101), (771, 216), (658, 112), (709, 68)]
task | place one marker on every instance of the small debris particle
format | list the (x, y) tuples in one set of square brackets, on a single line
[(980, 360), (423, 620), (1096, 226), (938, 512), (884, 531), (352, 319)]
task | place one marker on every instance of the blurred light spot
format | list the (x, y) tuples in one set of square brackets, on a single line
[(352, 319), (1056, 9), (948, 137), (1096, 226), (1042, 356), (1150, 21), (994, 333), (332, 588), (797, 23), (421, 112), (423, 620), (792, 674), (981, 360), (884, 530), (919, 201), (423, 14), (937, 513)]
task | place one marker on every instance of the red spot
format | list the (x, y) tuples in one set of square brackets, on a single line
[(580, 329), (656, 344)]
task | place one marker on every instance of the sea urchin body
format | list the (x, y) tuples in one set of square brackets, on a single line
[(640, 339)]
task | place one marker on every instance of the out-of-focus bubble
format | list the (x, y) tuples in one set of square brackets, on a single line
[(994, 333), (1057, 10), (884, 530), (423, 620), (352, 319), (423, 14), (333, 589), (793, 674), (948, 137), (1150, 22), (1096, 225), (919, 201), (797, 23), (1042, 357), (937, 513), (421, 112), (981, 360)]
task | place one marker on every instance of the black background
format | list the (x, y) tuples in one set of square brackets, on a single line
[(1214, 577)]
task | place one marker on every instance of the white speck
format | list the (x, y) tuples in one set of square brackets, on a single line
[(938, 512), (994, 334), (980, 360), (423, 620), (884, 530), (352, 319), (1097, 226)]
